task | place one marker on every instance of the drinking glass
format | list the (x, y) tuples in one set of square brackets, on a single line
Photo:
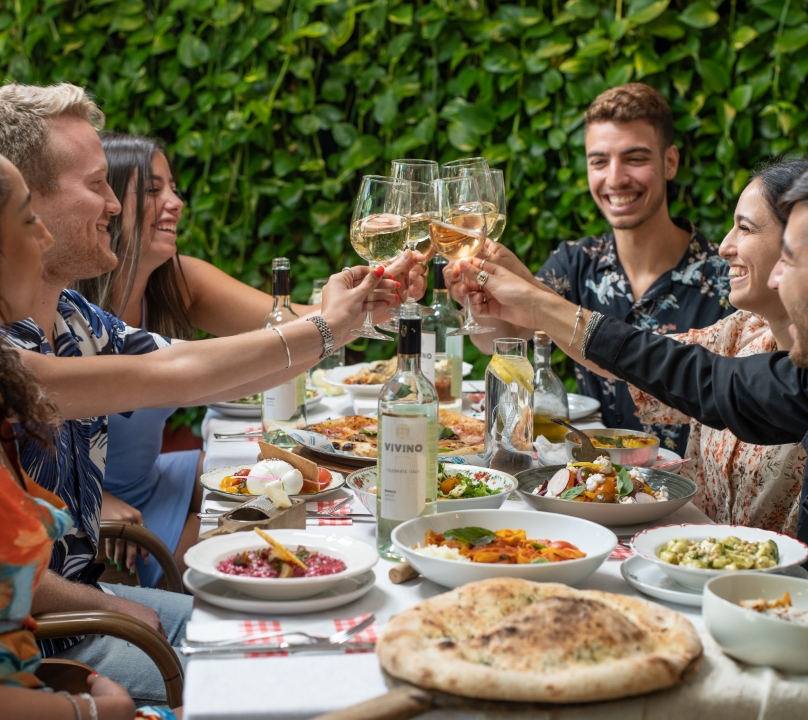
[(498, 181), (379, 230), (458, 230)]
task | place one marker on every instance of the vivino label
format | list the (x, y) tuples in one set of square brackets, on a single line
[(428, 355), (403, 466)]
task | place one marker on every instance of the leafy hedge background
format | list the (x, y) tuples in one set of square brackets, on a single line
[(272, 110)]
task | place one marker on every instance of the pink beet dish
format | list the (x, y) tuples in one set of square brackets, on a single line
[(262, 563)]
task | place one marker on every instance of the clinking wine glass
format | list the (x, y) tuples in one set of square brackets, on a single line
[(458, 230), (379, 230), (498, 227)]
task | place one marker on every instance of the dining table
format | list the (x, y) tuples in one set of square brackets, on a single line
[(307, 685)]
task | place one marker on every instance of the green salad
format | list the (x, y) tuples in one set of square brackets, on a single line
[(463, 485)]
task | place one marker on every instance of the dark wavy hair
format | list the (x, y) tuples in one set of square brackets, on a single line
[(776, 177), (128, 156), (22, 398)]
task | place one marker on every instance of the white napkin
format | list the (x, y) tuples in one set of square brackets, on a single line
[(550, 453)]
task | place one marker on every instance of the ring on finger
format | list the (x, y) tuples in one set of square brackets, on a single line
[(482, 278), (347, 269), (482, 263)]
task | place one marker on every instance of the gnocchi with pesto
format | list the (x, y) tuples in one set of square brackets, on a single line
[(731, 553)]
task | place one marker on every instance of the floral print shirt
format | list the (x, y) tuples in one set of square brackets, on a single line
[(739, 483), (76, 472), (692, 295)]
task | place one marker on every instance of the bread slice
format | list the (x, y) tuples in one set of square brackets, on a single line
[(307, 468)]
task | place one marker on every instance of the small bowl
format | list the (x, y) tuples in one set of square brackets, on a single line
[(647, 542), (628, 457), (681, 490), (357, 556), (596, 541), (363, 483), (749, 636)]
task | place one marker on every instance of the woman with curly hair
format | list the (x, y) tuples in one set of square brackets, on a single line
[(33, 518)]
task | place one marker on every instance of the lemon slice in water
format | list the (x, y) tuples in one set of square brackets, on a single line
[(513, 369)]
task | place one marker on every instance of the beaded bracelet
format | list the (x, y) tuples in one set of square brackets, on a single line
[(74, 703), (594, 321), (91, 704)]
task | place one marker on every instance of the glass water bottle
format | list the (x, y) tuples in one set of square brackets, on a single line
[(549, 393), (509, 407)]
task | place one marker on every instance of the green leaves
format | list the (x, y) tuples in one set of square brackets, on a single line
[(573, 492), (644, 11), (624, 484), (699, 15), (791, 40), (192, 51), (472, 535)]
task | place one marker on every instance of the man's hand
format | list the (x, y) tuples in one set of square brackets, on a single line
[(119, 551), (141, 612)]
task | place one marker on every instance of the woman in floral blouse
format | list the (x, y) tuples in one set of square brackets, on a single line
[(739, 483), (33, 518)]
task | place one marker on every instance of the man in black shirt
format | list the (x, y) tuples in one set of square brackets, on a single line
[(652, 271)]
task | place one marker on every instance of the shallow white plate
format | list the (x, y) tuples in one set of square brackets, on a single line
[(212, 479), (253, 410), (336, 377), (217, 593), (361, 480), (645, 544), (595, 540), (581, 406), (649, 579), (359, 557)]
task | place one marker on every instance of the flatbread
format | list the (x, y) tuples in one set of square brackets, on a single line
[(356, 434), (308, 469), (515, 640)]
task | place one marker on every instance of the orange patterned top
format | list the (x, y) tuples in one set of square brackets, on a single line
[(739, 483)]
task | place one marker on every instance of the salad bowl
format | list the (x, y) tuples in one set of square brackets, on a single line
[(680, 490), (363, 483)]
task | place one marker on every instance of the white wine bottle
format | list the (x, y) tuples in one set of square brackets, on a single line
[(286, 403), (407, 477)]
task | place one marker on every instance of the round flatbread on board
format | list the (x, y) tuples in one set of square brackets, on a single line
[(514, 640)]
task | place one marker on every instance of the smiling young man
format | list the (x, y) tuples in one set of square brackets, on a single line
[(655, 272)]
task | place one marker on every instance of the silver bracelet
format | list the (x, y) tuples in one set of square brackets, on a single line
[(74, 703), (578, 316), (325, 331), (594, 321), (286, 345), (91, 704)]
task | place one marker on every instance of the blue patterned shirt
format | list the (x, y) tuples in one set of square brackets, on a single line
[(692, 295), (76, 472)]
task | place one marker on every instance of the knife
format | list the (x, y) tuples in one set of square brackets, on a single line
[(272, 648)]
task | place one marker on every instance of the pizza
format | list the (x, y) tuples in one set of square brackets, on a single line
[(357, 434), (515, 640)]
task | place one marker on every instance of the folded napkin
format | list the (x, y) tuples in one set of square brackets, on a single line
[(550, 453), (325, 505), (213, 631)]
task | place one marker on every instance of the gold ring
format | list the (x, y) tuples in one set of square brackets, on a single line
[(482, 263)]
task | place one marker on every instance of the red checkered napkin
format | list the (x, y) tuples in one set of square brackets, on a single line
[(253, 428), (325, 505), (621, 552)]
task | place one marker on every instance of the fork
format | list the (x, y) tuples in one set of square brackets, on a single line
[(336, 639), (229, 436)]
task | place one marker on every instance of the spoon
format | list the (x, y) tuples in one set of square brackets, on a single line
[(585, 453)]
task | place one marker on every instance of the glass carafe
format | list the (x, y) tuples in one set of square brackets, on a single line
[(549, 393), (509, 407)]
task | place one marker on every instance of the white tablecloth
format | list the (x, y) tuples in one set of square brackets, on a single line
[(303, 686)]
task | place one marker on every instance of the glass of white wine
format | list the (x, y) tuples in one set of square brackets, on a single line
[(498, 180), (458, 230), (379, 229)]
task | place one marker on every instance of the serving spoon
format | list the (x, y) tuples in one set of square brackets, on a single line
[(585, 453)]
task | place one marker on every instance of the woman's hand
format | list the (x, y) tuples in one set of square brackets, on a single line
[(121, 552), (349, 294), (413, 277), (112, 700), (492, 252), (505, 295)]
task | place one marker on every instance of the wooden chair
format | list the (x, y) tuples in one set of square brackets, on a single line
[(70, 675)]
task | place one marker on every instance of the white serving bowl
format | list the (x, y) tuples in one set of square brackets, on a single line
[(335, 377), (681, 491), (358, 557), (596, 541), (363, 482), (750, 636), (628, 457), (646, 543)]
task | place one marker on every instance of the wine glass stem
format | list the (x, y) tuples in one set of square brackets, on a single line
[(469, 315)]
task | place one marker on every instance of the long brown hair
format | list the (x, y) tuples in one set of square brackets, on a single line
[(22, 398), (167, 314)]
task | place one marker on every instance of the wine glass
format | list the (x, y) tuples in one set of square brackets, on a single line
[(379, 230), (498, 180), (458, 230)]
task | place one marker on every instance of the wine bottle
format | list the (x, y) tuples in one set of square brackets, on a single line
[(285, 403), (447, 352), (407, 477), (549, 393)]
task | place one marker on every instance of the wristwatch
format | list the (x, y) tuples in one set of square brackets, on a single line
[(325, 331)]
